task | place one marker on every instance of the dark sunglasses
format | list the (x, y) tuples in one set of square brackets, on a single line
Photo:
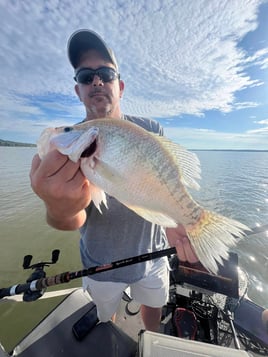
[(86, 75)]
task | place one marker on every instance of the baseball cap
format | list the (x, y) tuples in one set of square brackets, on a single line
[(83, 40)]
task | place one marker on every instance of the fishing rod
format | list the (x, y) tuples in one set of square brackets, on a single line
[(38, 282)]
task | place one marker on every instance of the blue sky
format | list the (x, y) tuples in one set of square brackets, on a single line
[(200, 67)]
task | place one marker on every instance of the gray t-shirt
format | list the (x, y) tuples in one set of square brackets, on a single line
[(119, 233)]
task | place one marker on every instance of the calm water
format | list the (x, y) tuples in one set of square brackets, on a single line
[(233, 183)]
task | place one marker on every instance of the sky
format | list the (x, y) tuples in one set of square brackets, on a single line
[(199, 67)]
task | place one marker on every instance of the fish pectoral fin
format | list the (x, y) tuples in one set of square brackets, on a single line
[(154, 217), (98, 197)]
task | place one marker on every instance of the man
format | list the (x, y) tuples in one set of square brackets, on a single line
[(117, 233)]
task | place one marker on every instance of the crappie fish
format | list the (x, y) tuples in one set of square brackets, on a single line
[(147, 173)]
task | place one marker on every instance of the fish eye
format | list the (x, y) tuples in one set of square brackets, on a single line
[(67, 129)]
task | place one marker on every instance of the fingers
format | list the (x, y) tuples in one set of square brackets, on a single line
[(60, 183), (177, 237), (82, 183), (54, 163), (35, 164), (36, 161), (185, 251), (265, 319), (55, 166), (56, 177), (47, 167)]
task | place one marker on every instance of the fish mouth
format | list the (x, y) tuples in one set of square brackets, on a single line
[(89, 150)]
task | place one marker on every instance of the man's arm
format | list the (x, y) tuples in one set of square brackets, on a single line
[(64, 189), (177, 238)]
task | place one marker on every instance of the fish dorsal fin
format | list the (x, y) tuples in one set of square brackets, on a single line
[(154, 217), (186, 160)]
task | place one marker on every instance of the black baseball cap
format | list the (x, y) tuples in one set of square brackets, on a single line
[(83, 40)]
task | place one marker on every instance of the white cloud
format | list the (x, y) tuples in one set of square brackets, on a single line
[(260, 58), (262, 122), (210, 139), (262, 131), (176, 57)]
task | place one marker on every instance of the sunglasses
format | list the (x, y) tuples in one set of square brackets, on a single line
[(86, 75)]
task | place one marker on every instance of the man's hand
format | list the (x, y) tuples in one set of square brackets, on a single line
[(60, 183), (177, 238)]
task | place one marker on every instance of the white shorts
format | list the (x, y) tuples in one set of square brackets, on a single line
[(150, 291)]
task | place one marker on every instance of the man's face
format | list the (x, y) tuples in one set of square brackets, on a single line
[(101, 99)]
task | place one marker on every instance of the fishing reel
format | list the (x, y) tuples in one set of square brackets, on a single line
[(38, 273)]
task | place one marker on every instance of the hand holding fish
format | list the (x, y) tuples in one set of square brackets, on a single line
[(60, 183), (177, 237)]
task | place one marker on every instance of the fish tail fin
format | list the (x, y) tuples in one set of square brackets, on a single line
[(212, 236)]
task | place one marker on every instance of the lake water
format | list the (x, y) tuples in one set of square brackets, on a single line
[(233, 183)]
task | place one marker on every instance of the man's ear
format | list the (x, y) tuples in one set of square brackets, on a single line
[(76, 88), (122, 87)]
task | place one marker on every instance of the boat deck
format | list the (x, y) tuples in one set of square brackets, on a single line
[(54, 337)]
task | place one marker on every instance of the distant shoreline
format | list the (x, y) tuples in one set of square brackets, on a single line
[(234, 150), (15, 144), (18, 144)]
